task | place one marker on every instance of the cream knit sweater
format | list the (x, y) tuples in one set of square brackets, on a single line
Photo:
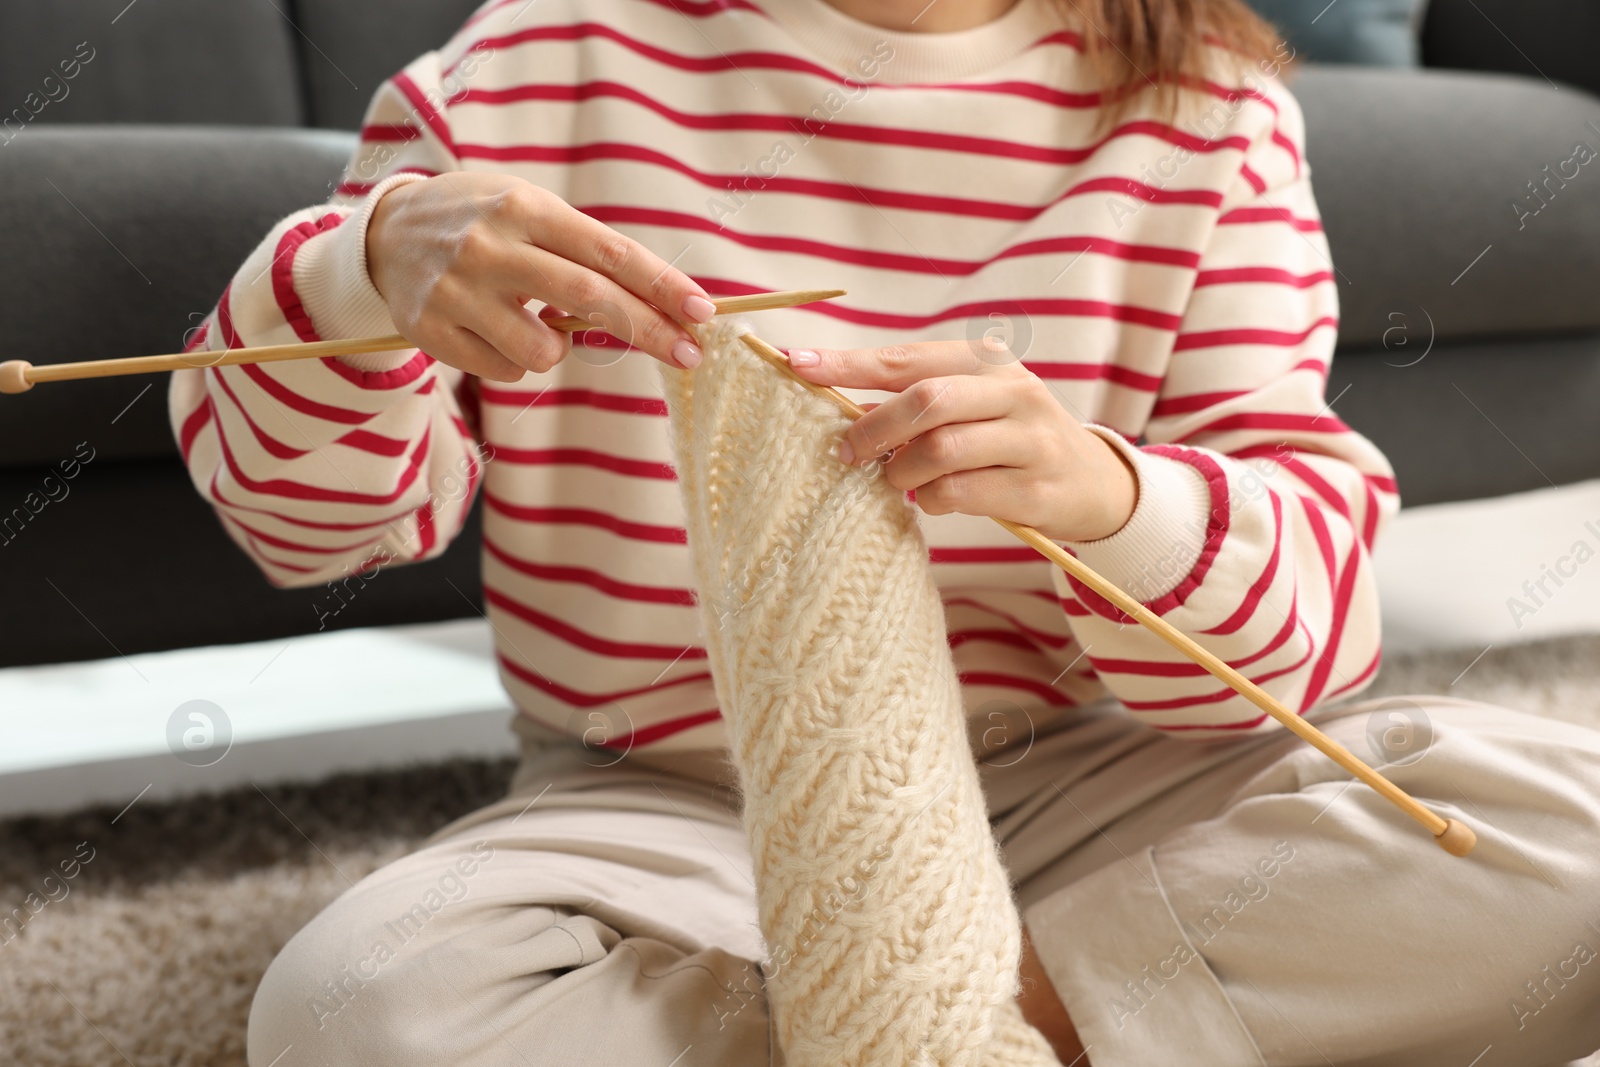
[(892, 936)]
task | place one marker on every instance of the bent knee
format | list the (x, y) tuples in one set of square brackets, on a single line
[(347, 989)]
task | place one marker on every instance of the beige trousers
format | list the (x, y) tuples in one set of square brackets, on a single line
[(1227, 905)]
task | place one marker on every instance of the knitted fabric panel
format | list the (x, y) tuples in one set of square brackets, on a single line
[(891, 932)]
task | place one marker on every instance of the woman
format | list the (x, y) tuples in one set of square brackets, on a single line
[(1088, 284)]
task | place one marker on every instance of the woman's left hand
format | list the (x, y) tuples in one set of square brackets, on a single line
[(974, 431)]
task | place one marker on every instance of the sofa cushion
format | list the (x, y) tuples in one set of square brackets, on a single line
[(359, 44), (1423, 178), (119, 239), (126, 557), (1467, 419), (148, 61), (1377, 33)]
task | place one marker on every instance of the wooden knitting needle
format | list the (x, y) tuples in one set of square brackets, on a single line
[(18, 376), (1454, 836)]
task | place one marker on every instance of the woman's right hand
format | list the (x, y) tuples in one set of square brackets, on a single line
[(457, 257)]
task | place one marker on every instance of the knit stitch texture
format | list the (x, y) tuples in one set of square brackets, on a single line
[(892, 935)]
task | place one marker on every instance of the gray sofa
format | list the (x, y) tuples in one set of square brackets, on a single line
[(1469, 349)]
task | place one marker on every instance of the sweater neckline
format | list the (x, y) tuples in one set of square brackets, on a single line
[(864, 52)]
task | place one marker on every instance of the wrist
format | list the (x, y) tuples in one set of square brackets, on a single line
[(1162, 541), (1104, 505), (378, 215)]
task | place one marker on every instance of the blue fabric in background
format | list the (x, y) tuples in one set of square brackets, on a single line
[(1374, 33)]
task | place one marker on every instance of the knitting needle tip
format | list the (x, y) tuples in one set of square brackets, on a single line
[(14, 376), (1456, 838)]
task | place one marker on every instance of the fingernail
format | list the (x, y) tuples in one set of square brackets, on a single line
[(803, 357), (699, 309), (847, 455), (687, 355)]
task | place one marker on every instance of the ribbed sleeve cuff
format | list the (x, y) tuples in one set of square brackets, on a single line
[(1163, 539), (330, 275)]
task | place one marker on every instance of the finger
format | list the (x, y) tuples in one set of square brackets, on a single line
[(965, 446), (989, 491), (922, 407), (894, 367), (520, 336), (606, 305), (570, 233), (460, 347)]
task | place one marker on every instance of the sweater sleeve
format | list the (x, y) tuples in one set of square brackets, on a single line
[(323, 468), (1258, 507)]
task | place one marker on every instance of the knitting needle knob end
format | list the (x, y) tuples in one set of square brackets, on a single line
[(1456, 838), (14, 376)]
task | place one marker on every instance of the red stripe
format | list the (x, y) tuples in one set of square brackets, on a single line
[(649, 594), (585, 640), (661, 730), (349, 188), (283, 290), (427, 532), (1011, 681), (1073, 608), (1369, 521), (518, 398), (690, 8), (292, 490), (298, 546), (305, 405), (585, 457), (214, 492), (807, 128), (1246, 336), (1217, 523), (1188, 405), (997, 637), (1040, 637), (377, 444), (1187, 669), (1220, 695), (1317, 483), (1271, 420), (254, 550), (739, 61), (197, 420), (1323, 537), (735, 183), (424, 109), (619, 215), (1245, 215), (580, 699), (271, 445), (1258, 588), (1268, 275), (1095, 309), (230, 336), (389, 132), (1341, 610), (638, 531), (1111, 372), (398, 378), (1356, 682)]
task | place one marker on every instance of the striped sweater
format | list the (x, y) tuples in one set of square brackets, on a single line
[(1170, 281)]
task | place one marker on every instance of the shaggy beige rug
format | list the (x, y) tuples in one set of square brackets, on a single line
[(149, 952)]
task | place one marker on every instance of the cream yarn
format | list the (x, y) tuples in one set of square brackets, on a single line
[(891, 932)]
